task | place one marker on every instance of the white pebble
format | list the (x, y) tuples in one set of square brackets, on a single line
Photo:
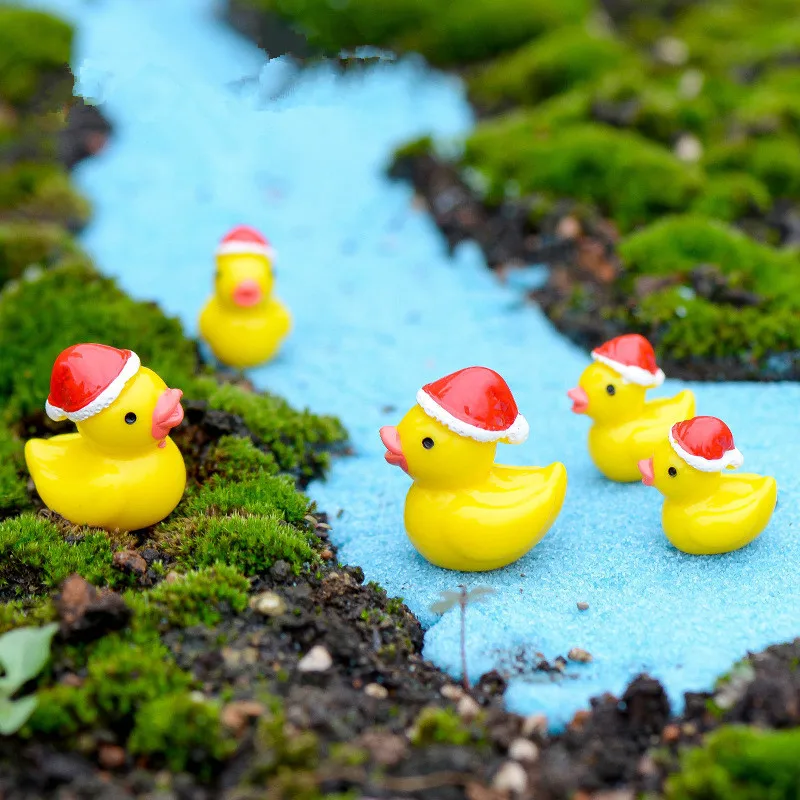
[(523, 750), (688, 148), (672, 51), (317, 659), (268, 603), (511, 777), (376, 690), (451, 691), (535, 723), (467, 708)]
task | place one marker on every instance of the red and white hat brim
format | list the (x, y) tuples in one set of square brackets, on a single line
[(245, 248), (731, 459), (516, 434), (631, 373), (103, 400)]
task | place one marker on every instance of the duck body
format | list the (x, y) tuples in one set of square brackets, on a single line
[(487, 526), (242, 323), (625, 425), (464, 512), (89, 487), (243, 337), (120, 471), (617, 447), (706, 509), (737, 511)]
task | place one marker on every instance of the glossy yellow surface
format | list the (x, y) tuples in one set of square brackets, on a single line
[(111, 474), (463, 511), (243, 337), (625, 426), (710, 512)]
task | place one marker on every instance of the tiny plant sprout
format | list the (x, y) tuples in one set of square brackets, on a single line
[(462, 598), (23, 653)]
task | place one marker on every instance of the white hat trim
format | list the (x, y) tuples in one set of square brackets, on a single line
[(516, 434), (731, 458), (103, 400), (227, 248), (631, 373)]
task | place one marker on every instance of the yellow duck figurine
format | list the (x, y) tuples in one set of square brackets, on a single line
[(705, 510), (120, 471), (626, 427), (463, 511), (243, 324)]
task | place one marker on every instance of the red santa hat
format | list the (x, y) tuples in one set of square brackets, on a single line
[(475, 402), (88, 378), (705, 443), (246, 240), (632, 357)]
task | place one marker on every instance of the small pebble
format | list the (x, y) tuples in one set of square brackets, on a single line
[(670, 734), (579, 655), (172, 577), (326, 555), (467, 708), (268, 603), (583, 606), (511, 777), (672, 51), (317, 659), (535, 724), (236, 714), (523, 750), (688, 148), (110, 756), (451, 691), (376, 690)]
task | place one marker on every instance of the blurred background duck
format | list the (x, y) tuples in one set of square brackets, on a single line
[(242, 323), (463, 511), (120, 471), (706, 510), (611, 392)]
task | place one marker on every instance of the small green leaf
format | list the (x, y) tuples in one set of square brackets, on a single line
[(15, 713), (23, 653)]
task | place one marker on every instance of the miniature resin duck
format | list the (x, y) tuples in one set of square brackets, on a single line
[(463, 511), (243, 323), (626, 427), (705, 510), (120, 471)]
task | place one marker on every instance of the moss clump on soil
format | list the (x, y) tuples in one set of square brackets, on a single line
[(551, 65), (32, 244), (446, 34), (33, 47), (441, 726), (675, 245), (738, 763), (732, 196), (633, 179)]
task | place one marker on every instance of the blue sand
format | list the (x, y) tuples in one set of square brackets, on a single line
[(208, 134)]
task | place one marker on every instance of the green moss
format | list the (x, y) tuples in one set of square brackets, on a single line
[(184, 731), (18, 613), (550, 65), (440, 726), (678, 244), (624, 174), (13, 494), (33, 45), (773, 102), (41, 317), (732, 196), (34, 556), (447, 34), (25, 244), (693, 328), (738, 763), (774, 161), (42, 192), (196, 598), (250, 544), (258, 494), (231, 458), (297, 439)]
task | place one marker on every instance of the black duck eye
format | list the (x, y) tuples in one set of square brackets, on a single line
[(672, 472), (130, 418), (427, 442), (611, 389)]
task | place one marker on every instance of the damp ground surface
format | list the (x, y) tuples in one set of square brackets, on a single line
[(209, 134)]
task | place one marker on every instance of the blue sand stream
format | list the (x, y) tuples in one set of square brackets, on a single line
[(209, 134)]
